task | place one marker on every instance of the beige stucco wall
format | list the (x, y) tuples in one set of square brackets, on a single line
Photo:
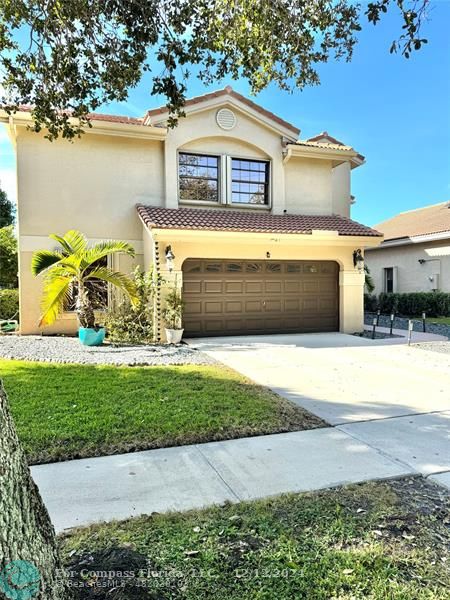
[(308, 186), (411, 275), (94, 184), (248, 138), (242, 246), (340, 190)]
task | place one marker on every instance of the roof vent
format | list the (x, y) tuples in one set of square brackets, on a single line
[(226, 119)]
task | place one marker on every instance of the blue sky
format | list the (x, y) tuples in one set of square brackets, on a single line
[(394, 111)]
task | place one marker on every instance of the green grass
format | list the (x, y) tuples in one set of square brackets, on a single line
[(366, 542), (72, 411), (441, 320)]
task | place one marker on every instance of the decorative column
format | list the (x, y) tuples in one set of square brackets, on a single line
[(351, 300)]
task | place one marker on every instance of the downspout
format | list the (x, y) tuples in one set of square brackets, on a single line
[(157, 295)]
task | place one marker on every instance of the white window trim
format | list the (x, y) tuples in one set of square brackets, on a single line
[(224, 177), (267, 206), (221, 179)]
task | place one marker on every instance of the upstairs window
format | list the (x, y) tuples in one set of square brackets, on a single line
[(249, 181), (198, 177), (222, 179)]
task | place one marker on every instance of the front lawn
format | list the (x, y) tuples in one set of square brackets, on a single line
[(73, 411), (440, 320), (376, 541)]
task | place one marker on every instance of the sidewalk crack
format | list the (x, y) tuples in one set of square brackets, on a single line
[(219, 475)]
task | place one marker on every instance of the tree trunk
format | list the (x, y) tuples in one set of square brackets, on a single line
[(85, 312), (26, 533)]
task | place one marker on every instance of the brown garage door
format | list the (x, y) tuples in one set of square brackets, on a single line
[(231, 297)]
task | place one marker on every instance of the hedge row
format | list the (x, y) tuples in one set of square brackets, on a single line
[(434, 304), (9, 304)]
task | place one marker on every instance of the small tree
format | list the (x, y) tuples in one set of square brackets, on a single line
[(29, 560), (72, 269), (134, 323), (173, 311), (8, 258), (7, 210)]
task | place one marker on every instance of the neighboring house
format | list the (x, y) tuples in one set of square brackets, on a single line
[(258, 220), (415, 254)]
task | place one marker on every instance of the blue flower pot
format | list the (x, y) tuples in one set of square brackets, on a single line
[(91, 337)]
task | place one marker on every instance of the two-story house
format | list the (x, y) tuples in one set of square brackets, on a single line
[(258, 220)]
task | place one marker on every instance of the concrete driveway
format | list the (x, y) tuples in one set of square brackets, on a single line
[(393, 397)]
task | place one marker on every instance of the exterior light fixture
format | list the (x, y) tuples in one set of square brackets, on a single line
[(267, 254), (358, 260), (170, 257)]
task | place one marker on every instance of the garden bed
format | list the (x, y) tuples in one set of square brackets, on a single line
[(68, 350), (378, 335), (436, 327), (64, 412), (375, 541)]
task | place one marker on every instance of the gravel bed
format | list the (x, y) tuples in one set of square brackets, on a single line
[(443, 347), (69, 350), (378, 335), (402, 323)]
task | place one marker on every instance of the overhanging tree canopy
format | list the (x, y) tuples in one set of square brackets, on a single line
[(68, 58)]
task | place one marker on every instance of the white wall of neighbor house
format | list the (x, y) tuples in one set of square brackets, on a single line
[(411, 275)]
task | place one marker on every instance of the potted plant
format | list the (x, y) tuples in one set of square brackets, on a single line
[(172, 315), (72, 271)]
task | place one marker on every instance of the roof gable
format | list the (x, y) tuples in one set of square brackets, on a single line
[(227, 96), (421, 221)]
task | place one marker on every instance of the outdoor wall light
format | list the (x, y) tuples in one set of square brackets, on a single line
[(358, 259), (170, 257), (267, 254)]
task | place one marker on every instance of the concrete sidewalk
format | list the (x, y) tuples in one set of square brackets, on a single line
[(389, 404), (87, 491)]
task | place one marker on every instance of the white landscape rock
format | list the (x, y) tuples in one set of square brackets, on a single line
[(55, 349)]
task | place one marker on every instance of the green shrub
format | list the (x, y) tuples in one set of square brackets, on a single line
[(130, 324), (434, 304), (8, 258), (9, 304), (370, 302)]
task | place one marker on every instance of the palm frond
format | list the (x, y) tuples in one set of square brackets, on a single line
[(72, 241), (103, 249), (56, 293), (116, 278), (369, 282), (43, 259)]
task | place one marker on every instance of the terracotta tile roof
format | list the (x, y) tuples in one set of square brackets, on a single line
[(331, 142), (117, 119), (422, 221), (324, 145), (228, 91), (101, 117), (253, 222), (327, 136)]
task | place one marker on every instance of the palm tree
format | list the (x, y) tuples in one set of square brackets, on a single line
[(369, 283), (70, 269)]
